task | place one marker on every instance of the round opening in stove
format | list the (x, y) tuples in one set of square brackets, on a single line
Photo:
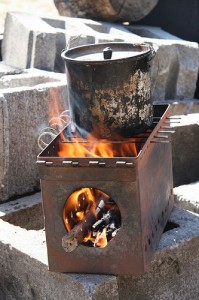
[(91, 217)]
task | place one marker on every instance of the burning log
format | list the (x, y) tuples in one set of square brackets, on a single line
[(76, 236)]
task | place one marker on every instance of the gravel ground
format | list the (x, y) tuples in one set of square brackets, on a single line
[(38, 7)]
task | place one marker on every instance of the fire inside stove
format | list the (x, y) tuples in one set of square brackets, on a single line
[(74, 144), (107, 197), (91, 215)]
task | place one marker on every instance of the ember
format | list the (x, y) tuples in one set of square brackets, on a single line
[(91, 218)]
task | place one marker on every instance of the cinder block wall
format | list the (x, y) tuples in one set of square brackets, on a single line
[(24, 112)]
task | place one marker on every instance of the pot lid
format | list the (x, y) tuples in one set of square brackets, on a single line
[(106, 51)]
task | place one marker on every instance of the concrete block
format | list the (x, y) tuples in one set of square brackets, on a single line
[(8, 70), (184, 107), (99, 31), (36, 45), (187, 196), (25, 111), (176, 64), (164, 73), (30, 277), (174, 271), (151, 32), (11, 43), (43, 39), (1, 39), (43, 51), (185, 146), (19, 211), (59, 65), (29, 78), (75, 38), (188, 61), (4, 149), (174, 70)]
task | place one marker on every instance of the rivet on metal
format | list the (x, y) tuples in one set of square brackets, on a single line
[(172, 121), (161, 136), (166, 131), (162, 142), (66, 162), (93, 162), (49, 163), (102, 164), (120, 163), (75, 163), (166, 127), (174, 118)]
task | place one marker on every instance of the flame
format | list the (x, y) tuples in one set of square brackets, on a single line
[(92, 147), (101, 239), (58, 116), (78, 203), (80, 215), (89, 238)]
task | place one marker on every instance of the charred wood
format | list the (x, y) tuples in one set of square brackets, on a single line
[(76, 236)]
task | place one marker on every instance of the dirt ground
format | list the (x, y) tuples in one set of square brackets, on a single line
[(38, 7)]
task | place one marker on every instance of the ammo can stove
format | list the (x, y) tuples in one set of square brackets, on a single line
[(106, 214)]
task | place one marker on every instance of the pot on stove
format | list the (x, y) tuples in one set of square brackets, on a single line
[(109, 88)]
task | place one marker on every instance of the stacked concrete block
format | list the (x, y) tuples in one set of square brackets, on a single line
[(18, 212), (25, 110), (41, 40), (152, 32), (29, 78), (8, 70), (175, 68), (173, 274), (188, 70), (72, 32), (187, 196), (184, 107), (1, 39), (4, 148), (185, 146), (28, 42)]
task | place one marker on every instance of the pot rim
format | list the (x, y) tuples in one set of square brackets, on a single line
[(78, 50)]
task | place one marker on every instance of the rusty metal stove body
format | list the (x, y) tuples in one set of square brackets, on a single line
[(141, 187)]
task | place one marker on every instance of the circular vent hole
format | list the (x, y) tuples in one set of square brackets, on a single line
[(92, 217)]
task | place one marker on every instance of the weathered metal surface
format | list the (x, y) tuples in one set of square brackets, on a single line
[(111, 96), (111, 10), (142, 192), (155, 184)]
